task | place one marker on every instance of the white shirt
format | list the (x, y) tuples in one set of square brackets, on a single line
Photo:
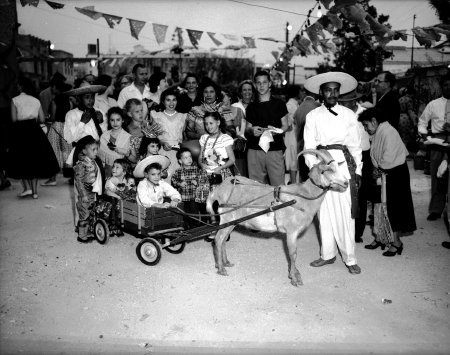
[(149, 194), (215, 150), (74, 129), (132, 92), (27, 107), (323, 128), (434, 111), (104, 104)]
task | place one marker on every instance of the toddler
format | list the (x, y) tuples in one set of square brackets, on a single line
[(88, 183), (152, 190), (186, 179), (120, 185)]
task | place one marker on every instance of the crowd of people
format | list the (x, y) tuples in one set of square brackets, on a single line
[(136, 137)]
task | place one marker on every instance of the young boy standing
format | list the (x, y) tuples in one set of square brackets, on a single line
[(152, 190), (185, 180)]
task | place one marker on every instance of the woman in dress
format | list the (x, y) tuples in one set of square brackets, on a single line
[(388, 154), (30, 156), (172, 124)]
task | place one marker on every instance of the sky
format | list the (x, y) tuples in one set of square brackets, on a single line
[(71, 31)]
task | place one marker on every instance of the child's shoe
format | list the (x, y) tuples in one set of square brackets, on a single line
[(83, 236)]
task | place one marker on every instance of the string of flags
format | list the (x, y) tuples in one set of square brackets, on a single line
[(310, 39)]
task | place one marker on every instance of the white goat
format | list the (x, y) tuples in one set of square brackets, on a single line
[(291, 220)]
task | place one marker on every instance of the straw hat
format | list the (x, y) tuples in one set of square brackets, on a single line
[(160, 159), (353, 95), (348, 82), (86, 88)]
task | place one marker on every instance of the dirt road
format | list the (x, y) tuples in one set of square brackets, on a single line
[(58, 296)]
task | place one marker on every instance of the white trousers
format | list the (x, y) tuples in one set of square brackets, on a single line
[(337, 228)]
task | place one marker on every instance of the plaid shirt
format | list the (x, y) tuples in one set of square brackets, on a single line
[(189, 174)]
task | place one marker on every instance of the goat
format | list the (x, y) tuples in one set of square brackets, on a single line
[(292, 220)]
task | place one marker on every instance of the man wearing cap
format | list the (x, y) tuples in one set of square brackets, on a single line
[(138, 89), (83, 120), (334, 128), (266, 113)]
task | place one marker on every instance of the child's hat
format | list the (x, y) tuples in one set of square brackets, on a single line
[(160, 159), (86, 88)]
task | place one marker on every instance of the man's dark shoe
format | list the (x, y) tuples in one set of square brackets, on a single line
[(358, 240), (446, 245), (320, 262), (433, 216), (354, 269)]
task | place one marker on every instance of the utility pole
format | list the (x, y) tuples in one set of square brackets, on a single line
[(412, 43), (288, 28)]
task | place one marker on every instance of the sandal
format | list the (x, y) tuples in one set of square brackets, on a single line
[(25, 193)]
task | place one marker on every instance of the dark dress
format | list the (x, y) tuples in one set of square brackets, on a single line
[(30, 155), (399, 200)]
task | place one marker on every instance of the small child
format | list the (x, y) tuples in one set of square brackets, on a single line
[(151, 146), (88, 183), (120, 185), (152, 190), (186, 179)]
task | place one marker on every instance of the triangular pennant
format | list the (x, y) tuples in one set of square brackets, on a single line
[(302, 44), (194, 37), (377, 28), (54, 5), (400, 35), (334, 19), (34, 3), (250, 42), (231, 37), (313, 32), (422, 37), (136, 27), (179, 34), (275, 54), (214, 39), (326, 3), (112, 20), (432, 33), (444, 29), (90, 12), (160, 32), (326, 23), (357, 15)]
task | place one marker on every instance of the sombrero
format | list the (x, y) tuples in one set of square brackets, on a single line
[(348, 82), (86, 88), (353, 95), (160, 159)]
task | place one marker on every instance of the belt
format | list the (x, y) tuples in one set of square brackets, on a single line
[(352, 170)]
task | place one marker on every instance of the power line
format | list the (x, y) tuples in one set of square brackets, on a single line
[(270, 8)]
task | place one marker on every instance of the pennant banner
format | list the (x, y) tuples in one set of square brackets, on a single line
[(112, 20), (194, 37), (34, 3), (136, 27), (89, 11), (422, 37), (231, 37), (160, 32), (214, 39), (250, 42), (54, 5)]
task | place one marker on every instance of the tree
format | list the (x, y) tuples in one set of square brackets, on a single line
[(360, 54), (442, 8)]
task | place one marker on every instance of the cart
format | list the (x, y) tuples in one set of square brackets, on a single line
[(163, 228)]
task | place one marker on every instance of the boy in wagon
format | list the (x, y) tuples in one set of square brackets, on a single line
[(152, 190)]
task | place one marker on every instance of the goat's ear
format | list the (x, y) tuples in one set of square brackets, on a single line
[(341, 162), (324, 167)]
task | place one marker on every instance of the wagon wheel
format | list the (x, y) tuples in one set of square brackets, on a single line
[(149, 251), (175, 249), (101, 231)]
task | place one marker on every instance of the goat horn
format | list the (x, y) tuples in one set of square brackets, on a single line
[(324, 155)]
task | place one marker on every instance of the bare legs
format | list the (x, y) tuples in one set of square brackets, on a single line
[(29, 188)]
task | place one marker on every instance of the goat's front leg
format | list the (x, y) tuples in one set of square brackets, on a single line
[(220, 254), (294, 274)]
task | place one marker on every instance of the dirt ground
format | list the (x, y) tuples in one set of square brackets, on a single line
[(58, 296)]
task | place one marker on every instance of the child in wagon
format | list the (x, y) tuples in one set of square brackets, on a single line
[(152, 190)]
